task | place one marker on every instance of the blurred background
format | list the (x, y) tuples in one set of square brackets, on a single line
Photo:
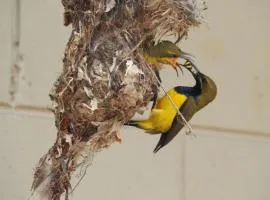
[(228, 159)]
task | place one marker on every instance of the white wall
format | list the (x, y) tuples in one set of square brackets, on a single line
[(229, 158)]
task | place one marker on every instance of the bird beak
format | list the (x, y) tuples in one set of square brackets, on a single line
[(190, 61)]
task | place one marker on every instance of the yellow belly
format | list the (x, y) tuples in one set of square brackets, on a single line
[(163, 114)]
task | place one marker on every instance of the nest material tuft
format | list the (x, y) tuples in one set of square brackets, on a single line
[(105, 79), (175, 16)]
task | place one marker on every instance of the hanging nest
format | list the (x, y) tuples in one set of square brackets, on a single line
[(104, 81)]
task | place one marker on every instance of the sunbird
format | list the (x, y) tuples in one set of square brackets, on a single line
[(164, 118), (164, 52)]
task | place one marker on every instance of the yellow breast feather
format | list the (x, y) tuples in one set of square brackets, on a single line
[(163, 114)]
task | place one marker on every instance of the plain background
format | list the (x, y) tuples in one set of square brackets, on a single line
[(229, 158)]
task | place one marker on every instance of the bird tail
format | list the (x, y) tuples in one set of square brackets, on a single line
[(159, 145)]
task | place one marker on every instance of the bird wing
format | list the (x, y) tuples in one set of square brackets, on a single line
[(188, 110)]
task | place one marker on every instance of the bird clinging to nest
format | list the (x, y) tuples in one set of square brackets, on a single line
[(164, 119), (164, 52)]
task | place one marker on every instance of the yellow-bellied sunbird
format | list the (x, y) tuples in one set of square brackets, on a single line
[(189, 100), (164, 52)]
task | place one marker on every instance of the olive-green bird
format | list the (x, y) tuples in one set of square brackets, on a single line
[(189, 100), (164, 52)]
